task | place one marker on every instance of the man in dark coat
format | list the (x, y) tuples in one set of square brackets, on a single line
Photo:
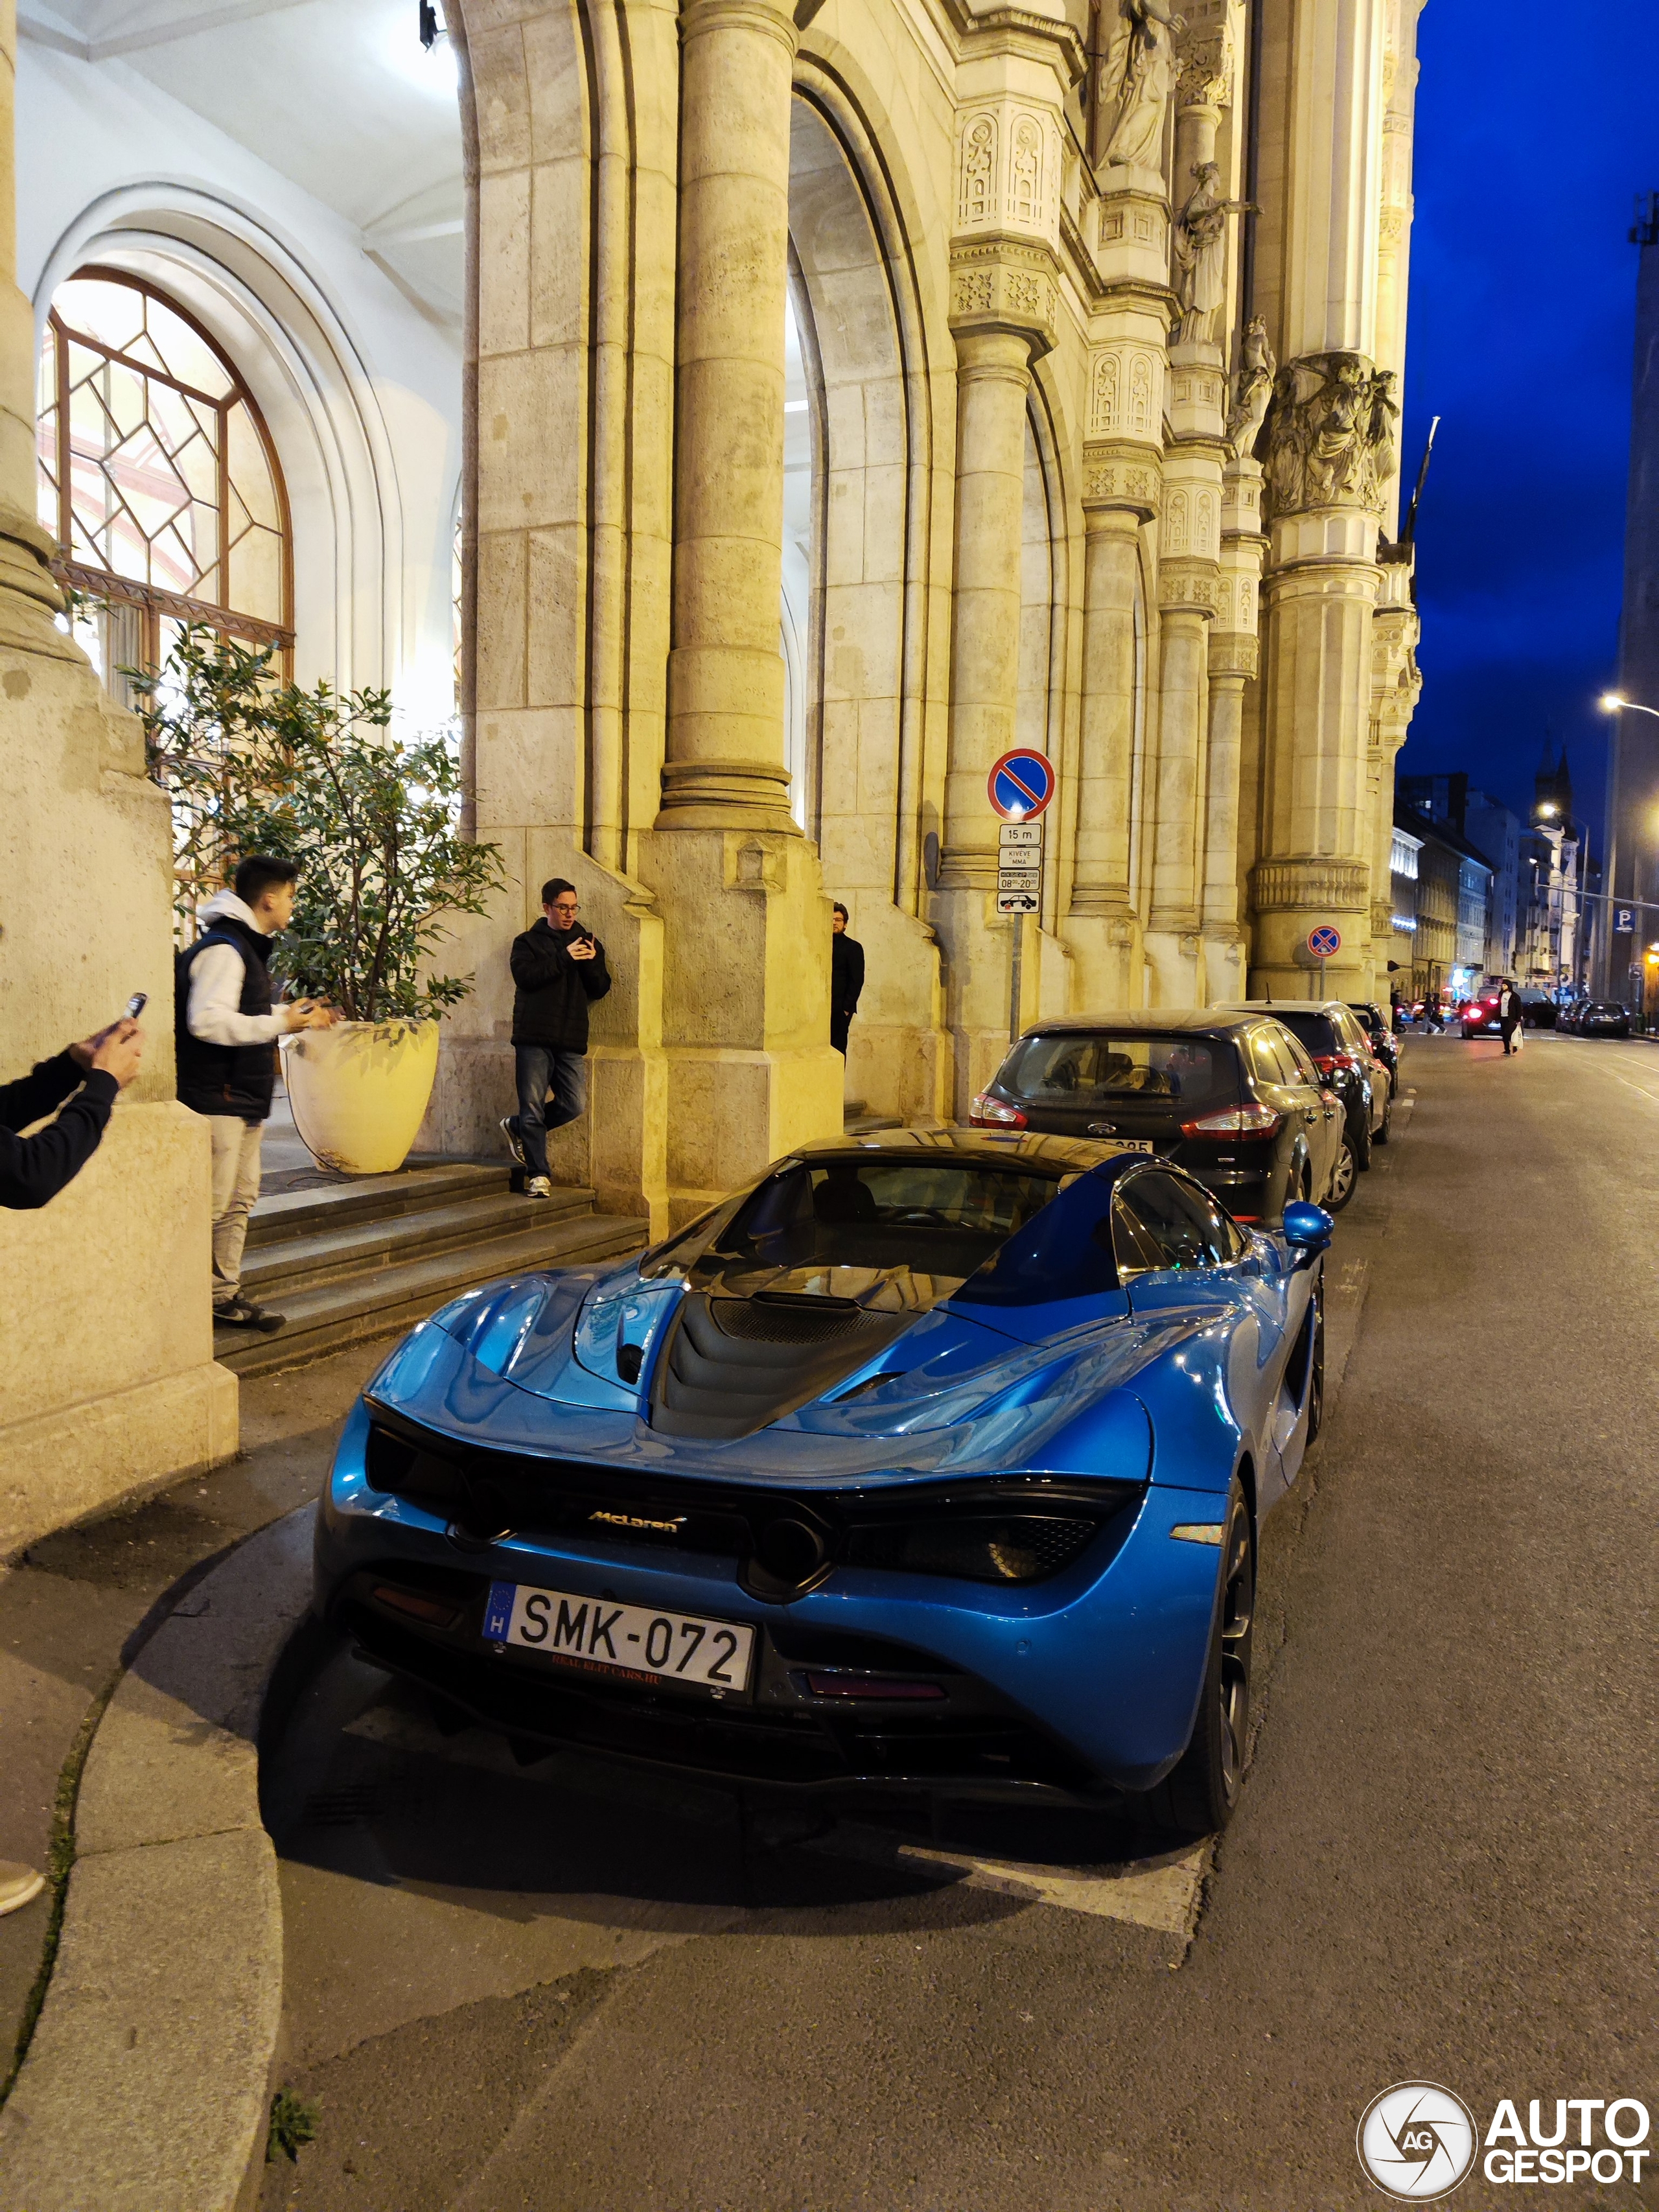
[(846, 978), (1509, 1015), (559, 968), (34, 1169)]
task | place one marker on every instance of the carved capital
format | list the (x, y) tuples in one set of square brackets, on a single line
[(1329, 439), (1008, 171), (1232, 653), (1126, 391), (1204, 57), (1187, 587), (1310, 886), (1192, 522), (1004, 283), (1116, 478)]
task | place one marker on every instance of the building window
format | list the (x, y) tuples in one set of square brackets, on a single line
[(157, 478)]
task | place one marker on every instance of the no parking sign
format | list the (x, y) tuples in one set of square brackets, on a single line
[(1325, 942)]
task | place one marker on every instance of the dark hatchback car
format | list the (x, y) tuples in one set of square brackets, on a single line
[(1329, 1032), (1385, 1045), (1599, 1018), (1230, 1098)]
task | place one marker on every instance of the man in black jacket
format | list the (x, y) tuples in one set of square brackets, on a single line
[(34, 1169), (559, 968), (846, 978)]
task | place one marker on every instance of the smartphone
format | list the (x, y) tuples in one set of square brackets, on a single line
[(136, 1003)]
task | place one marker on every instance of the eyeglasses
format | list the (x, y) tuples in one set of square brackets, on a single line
[(565, 906)]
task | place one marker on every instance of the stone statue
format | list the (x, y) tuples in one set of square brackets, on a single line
[(1201, 255), (1139, 73), (1331, 434), (1253, 387)]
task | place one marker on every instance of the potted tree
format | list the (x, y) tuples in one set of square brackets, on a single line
[(374, 821)]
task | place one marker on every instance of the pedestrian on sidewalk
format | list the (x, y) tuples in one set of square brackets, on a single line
[(559, 969), (89, 1075), (1510, 1014), (1431, 1013), (846, 978), (226, 1028)]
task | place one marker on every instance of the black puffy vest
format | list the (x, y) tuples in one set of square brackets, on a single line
[(225, 1079)]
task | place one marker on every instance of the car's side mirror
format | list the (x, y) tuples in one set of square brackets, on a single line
[(1308, 1229)]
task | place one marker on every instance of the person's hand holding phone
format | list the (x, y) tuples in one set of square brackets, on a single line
[(581, 946), (117, 1050)]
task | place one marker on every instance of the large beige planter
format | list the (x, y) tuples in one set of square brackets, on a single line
[(360, 1089)]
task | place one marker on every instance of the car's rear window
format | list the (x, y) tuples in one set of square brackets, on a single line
[(1313, 1030), (1089, 1069), (939, 1217)]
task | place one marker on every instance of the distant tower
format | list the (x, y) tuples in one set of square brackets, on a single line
[(1632, 871)]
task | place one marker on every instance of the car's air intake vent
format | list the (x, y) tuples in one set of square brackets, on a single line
[(733, 1364)]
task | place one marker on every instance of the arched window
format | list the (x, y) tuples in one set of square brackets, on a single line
[(158, 478)]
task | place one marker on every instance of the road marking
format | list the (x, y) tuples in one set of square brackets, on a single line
[(1159, 1893)]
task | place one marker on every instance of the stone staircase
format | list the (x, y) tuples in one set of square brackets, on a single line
[(369, 1258)]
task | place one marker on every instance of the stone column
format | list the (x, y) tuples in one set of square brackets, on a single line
[(1103, 929), (110, 1387), (725, 735), (1396, 686), (1330, 457), (1233, 659), (745, 978)]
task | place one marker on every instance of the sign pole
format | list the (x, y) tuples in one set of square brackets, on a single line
[(1017, 968)]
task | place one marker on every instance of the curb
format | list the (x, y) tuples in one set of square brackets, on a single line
[(148, 2081)]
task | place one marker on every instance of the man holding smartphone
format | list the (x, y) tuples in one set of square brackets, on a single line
[(88, 1076), (559, 969)]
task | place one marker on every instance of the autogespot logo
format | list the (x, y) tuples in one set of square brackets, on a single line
[(1417, 2141)]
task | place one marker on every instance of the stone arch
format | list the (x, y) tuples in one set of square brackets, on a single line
[(353, 619), (866, 665)]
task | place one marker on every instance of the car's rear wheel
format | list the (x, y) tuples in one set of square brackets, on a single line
[(1380, 1135), (1342, 1177), (1316, 1368), (1200, 1795), (1362, 1143)]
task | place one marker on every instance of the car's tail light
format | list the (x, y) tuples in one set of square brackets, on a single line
[(433, 1610), (869, 1686), (1255, 1120), (1329, 1062), (988, 1112)]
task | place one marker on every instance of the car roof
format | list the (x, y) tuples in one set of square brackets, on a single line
[(1291, 1007), (1145, 1021), (1059, 1156)]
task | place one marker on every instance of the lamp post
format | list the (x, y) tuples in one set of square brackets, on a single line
[(1614, 702)]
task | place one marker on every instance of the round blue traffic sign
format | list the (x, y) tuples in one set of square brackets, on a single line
[(1021, 784), (1324, 943)]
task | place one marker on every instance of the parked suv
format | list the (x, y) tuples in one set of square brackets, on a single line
[(1330, 1033), (1231, 1097)]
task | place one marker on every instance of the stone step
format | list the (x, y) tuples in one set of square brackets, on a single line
[(304, 1212), (387, 1300), (275, 1269)]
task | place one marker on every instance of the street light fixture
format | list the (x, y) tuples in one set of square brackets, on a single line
[(1612, 702)]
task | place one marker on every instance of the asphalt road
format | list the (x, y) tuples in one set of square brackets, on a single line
[(566, 1988)]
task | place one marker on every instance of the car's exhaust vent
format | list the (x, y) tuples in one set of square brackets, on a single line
[(733, 1364)]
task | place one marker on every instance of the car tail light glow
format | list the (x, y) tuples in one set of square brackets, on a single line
[(869, 1686), (1255, 1120), (1329, 1062), (433, 1610), (988, 1112)]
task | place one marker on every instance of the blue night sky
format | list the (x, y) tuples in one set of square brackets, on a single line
[(1536, 125)]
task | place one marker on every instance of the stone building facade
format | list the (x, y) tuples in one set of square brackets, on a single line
[(1101, 319), (1068, 340)]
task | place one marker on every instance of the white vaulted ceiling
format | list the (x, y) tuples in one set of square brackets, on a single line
[(337, 96)]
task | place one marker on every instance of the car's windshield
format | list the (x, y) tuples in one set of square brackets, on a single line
[(1088, 1070), (940, 1217)]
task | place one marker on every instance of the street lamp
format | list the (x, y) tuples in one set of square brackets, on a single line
[(1612, 702)]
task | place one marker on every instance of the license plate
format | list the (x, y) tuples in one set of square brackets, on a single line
[(597, 1637), (1128, 1144)]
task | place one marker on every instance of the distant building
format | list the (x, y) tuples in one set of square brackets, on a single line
[(1452, 907), (1632, 867), (1403, 851), (1495, 831)]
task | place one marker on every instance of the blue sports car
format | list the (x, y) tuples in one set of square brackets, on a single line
[(929, 1463)]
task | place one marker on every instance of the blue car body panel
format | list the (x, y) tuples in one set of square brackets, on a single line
[(1159, 1394)]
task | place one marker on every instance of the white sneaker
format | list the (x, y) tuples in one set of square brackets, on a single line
[(538, 1187), (19, 1886)]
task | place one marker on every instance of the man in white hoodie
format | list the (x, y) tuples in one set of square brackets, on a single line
[(225, 1032)]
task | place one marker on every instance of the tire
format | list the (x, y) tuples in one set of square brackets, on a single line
[(1343, 1178), (1362, 1151), (1380, 1135), (1199, 1796)]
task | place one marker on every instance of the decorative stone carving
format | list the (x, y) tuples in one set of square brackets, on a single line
[(1233, 652), (1204, 51), (1026, 203), (1253, 387), (1310, 886), (1123, 399), (1330, 433), (1116, 482), (1201, 255), (976, 196), (1139, 72), (1008, 163), (1003, 282)]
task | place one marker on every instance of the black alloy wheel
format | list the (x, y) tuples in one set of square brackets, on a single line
[(1343, 1177), (1199, 1796)]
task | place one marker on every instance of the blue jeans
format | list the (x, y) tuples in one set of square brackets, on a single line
[(541, 1069)]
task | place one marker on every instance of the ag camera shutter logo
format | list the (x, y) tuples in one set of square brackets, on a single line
[(1417, 2141)]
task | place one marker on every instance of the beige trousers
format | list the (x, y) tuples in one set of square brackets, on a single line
[(235, 1187)]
